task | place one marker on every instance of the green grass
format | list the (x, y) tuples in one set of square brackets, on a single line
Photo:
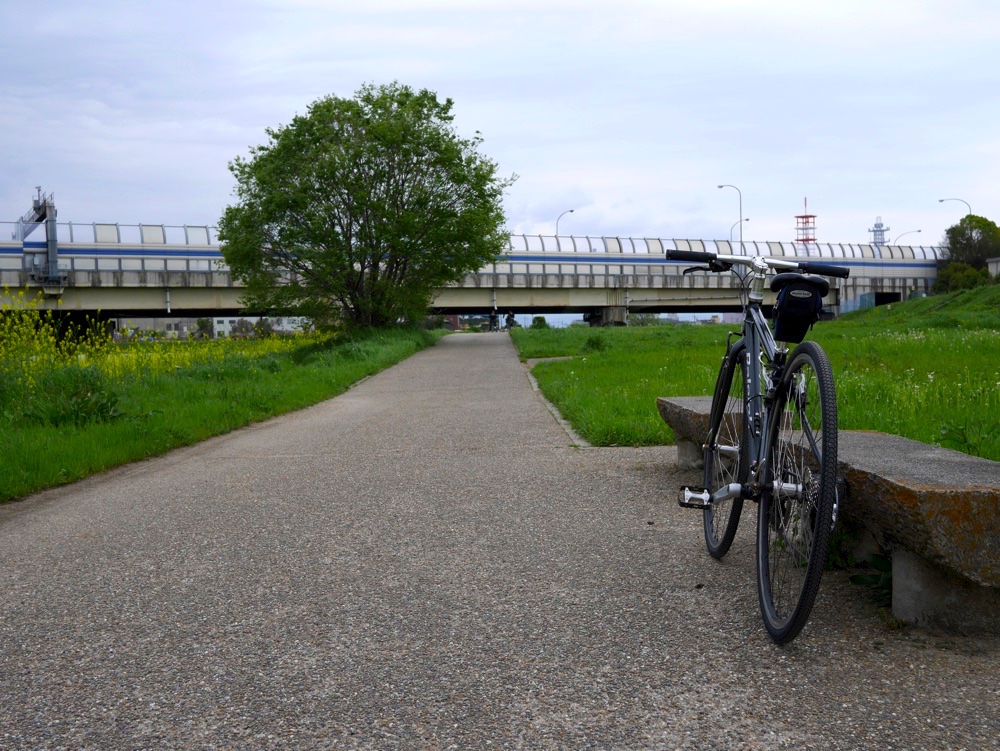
[(78, 423), (928, 369), (608, 390)]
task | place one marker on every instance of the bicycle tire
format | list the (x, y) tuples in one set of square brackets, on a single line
[(797, 509), (725, 451)]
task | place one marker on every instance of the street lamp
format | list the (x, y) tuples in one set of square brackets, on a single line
[(741, 230), (727, 185), (567, 211), (896, 241), (968, 225), (942, 200)]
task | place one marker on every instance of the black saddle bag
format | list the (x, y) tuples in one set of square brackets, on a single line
[(797, 308)]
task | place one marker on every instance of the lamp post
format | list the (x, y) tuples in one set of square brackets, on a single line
[(727, 185), (942, 200), (896, 241), (968, 225), (567, 211), (741, 231)]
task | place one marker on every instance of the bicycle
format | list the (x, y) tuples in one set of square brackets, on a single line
[(772, 436)]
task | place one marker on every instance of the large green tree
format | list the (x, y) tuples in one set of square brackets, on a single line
[(359, 209), (972, 241)]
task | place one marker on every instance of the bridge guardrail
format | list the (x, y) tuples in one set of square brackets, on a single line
[(71, 233), (189, 234)]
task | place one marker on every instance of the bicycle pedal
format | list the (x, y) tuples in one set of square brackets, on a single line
[(694, 497)]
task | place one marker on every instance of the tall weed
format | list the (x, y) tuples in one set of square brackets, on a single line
[(72, 395)]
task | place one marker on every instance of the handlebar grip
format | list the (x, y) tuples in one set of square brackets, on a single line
[(826, 269), (696, 256)]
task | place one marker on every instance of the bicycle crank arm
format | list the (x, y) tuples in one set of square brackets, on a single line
[(694, 497)]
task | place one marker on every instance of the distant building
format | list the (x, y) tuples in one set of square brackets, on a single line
[(281, 325), (173, 328), (182, 328)]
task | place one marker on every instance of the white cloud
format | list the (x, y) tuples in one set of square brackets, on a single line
[(630, 111)]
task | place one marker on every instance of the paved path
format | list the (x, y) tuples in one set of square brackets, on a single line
[(427, 562)]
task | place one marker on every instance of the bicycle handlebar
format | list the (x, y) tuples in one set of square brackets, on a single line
[(809, 267), (691, 255), (826, 269)]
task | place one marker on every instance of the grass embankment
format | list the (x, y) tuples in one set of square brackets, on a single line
[(68, 410), (927, 369)]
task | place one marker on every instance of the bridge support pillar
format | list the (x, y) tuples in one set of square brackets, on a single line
[(610, 316), (616, 316)]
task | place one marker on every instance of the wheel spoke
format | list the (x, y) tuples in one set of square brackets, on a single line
[(796, 514)]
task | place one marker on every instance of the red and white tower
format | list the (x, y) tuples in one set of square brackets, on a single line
[(805, 225)]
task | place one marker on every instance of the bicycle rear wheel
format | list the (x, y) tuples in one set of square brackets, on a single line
[(797, 510), (726, 451)]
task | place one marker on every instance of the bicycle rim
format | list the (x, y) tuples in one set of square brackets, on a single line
[(797, 511), (725, 453)]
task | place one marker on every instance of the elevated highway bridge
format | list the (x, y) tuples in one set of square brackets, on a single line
[(160, 270)]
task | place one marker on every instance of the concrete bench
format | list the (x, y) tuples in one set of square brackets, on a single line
[(936, 511)]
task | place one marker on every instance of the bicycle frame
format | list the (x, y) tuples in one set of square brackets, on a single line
[(759, 345), (764, 360), (761, 342)]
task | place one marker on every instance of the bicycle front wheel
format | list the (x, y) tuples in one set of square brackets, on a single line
[(726, 451), (797, 509)]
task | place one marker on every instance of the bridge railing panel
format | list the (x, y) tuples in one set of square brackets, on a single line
[(106, 233), (152, 233), (198, 235)]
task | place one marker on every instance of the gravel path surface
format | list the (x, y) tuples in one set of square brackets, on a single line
[(429, 562)]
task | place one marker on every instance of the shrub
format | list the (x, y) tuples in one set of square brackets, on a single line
[(241, 329), (955, 275), (264, 328), (72, 395), (594, 343)]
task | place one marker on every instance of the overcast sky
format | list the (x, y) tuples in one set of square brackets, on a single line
[(630, 112)]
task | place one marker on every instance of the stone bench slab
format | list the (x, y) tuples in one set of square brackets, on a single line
[(936, 509), (941, 504)]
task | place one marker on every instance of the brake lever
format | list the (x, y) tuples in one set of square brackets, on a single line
[(713, 265), (693, 269)]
